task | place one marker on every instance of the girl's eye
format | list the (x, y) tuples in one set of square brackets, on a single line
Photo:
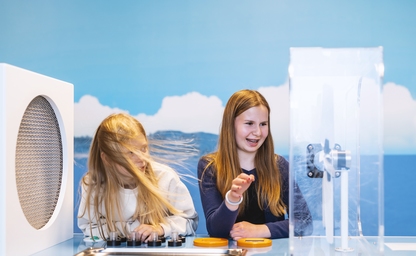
[(249, 123), (264, 124)]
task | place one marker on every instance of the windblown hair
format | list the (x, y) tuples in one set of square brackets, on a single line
[(103, 181), (226, 163)]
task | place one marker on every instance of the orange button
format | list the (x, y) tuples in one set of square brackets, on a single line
[(254, 242), (210, 242)]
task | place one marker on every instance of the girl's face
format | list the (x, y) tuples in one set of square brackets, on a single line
[(141, 152), (138, 156), (251, 129)]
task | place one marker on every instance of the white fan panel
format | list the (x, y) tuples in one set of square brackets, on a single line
[(36, 161)]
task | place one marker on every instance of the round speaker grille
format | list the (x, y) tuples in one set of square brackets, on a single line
[(39, 162)]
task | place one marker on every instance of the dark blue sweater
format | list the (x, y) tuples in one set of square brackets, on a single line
[(220, 220)]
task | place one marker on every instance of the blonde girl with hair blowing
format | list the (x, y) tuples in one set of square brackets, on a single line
[(126, 190), (244, 185)]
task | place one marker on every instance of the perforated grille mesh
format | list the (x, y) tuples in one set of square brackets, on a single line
[(39, 162)]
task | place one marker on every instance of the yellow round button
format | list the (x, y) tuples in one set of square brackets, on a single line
[(210, 242), (254, 242)]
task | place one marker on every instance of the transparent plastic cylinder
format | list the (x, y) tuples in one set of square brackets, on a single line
[(336, 150)]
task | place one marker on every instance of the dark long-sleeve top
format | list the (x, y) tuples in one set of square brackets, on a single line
[(220, 219)]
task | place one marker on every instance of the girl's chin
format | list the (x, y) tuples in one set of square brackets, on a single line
[(250, 150)]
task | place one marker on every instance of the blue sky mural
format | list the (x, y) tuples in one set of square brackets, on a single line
[(173, 62)]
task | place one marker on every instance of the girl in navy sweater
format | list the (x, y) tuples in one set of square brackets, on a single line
[(244, 185)]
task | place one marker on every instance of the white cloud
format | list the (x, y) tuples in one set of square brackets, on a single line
[(191, 112), (399, 119), (194, 112), (88, 114)]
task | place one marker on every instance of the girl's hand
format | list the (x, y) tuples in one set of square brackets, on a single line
[(144, 231), (239, 185), (246, 229)]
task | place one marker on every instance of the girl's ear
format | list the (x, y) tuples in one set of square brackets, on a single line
[(103, 157)]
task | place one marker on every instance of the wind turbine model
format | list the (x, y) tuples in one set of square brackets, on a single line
[(323, 162)]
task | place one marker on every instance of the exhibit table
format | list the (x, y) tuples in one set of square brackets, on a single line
[(393, 245)]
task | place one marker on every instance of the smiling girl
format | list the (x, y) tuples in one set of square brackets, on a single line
[(244, 185), (125, 190)]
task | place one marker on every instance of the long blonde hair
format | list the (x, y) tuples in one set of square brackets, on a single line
[(102, 182), (226, 162)]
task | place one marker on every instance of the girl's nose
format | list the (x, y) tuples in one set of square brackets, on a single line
[(140, 164), (256, 130)]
